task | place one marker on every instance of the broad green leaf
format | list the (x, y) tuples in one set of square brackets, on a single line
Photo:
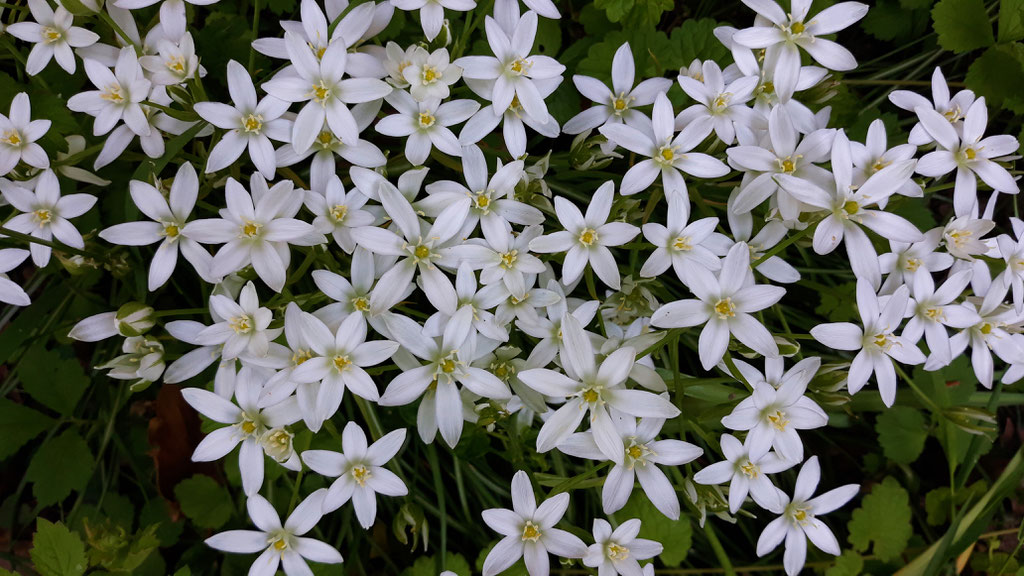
[(677, 535), (883, 519), (902, 432), (962, 25), (204, 501), (57, 551), (695, 39), (998, 74), (281, 7), (937, 504), (837, 304), (849, 564), (615, 9), (1011, 20), (18, 425), (887, 20), (62, 465), (55, 382)]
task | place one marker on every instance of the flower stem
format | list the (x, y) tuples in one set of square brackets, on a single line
[(55, 245)]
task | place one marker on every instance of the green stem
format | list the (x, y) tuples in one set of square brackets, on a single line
[(255, 33), (55, 245), (720, 554)]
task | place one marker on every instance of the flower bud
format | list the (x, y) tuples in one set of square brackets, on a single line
[(590, 153), (134, 319)]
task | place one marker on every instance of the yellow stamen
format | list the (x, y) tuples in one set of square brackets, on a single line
[(361, 475), (588, 237), (426, 120), (725, 308), (252, 124), (341, 363), (531, 532)]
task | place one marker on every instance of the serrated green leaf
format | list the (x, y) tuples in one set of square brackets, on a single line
[(62, 465), (902, 432), (962, 25), (998, 74), (656, 526), (57, 551), (18, 425), (1011, 20), (695, 39), (849, 564), (883, 519), (615, 9), (205, 502), (55, 382), (887, 21)]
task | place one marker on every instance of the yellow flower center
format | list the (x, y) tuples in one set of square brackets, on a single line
[(879, 165), (768, 87), (635, 452), (421, 252), (280, 544), (51, 34), (251, 229), (113, 94), (176, 64), (241, 324), (531, 531), (850, 207), (515, 107), (682, 244), (252, 124), (588, 237), (934, 314), (725, 308), (12, 137), (788, 165), (796, 27), (750, 470), (961, 237), (321, 92), (324, 139), (300, 356), (590, 395), (426, 120), (430, 75), (338, 212), (986, 328), (248, 426), (519, 66), (508, 259), (721, 102), (481, 200), (448, 366), (43, 216), (882, 340), (913, 264), (360, 474), (617, 552), (361, 303), (666, 154), (970, 153), (341, 363), (171, 230), (778, 420)]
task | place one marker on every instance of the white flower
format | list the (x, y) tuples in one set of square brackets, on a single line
[(432, 12), (338, 212), (359, 471), (53, 36), (449, 362), (640, 462), (618, 104), (259, 431), (599, 390), (169, 217), (425, 123), (784, 32), (724, 305), (799, 521), (963, 236), (142, 361), (172, 13), (46, 214), (665, 156), (529, 531), (933, 311), (618, 551), (280, 544), (679, 245), (909, 259), (772, 415), (244, 326), (952, 109), (249, 124), (1012, 253), (850, 209), (991, 335), (875, 154), (327, 145), (746, 474), (10, 291), (969, 154), (360, 296), (175, 62), (118, 97), (337, 362), (587, 238), (876, 343), (505, 258), (724, 104), (430, 74), (18, 135), (512, 119), (320, 84), (512, 68), (256, 229)]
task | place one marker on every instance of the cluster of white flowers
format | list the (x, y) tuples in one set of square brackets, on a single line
[(497, 263)]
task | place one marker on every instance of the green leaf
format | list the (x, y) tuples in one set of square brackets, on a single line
[(57, 551), (962, 25), (615, 9), (887, 21), (998, 74), (849, 564), (695, 39), (204, 501), (57, 383), (883, 518), (656, 526), (901, 432), (1011, 20), (838, 304), (18, 425), (936, 502), (916, 4), (62, 465), (427, 565), (281, 7)]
